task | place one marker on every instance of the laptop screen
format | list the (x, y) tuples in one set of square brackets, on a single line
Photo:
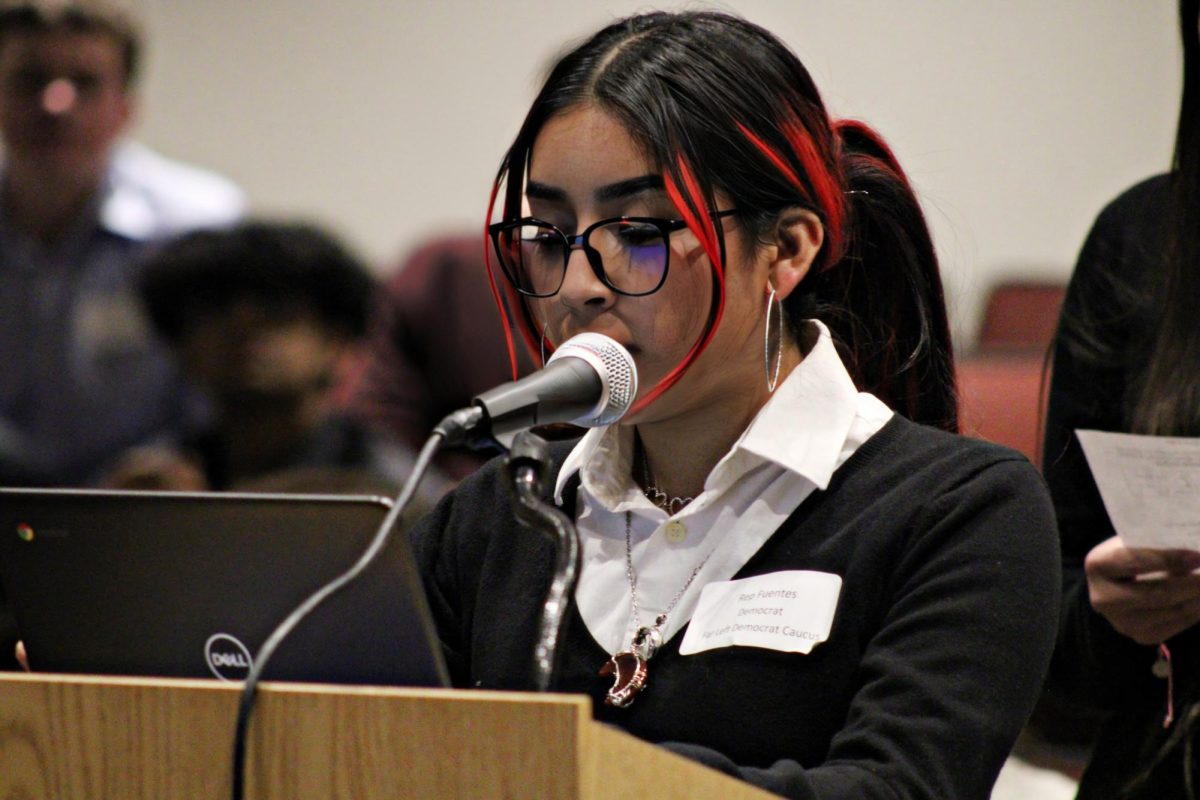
[(191, 584)]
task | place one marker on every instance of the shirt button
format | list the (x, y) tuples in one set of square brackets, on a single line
[(675, 531)]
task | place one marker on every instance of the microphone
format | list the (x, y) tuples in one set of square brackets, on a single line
[(590, 380)]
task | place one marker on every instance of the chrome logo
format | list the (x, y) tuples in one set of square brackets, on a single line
[(227, 658)]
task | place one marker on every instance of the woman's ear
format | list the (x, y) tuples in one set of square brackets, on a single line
[(798, 238)]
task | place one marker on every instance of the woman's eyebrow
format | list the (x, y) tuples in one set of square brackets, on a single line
[(604, 194), (542, 191), (627, 188)]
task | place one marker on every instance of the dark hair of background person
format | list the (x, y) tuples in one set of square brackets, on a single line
[(81, 16), (1166, 401), (875, 282), (1168, 398), (276, 264), (1161, 356)]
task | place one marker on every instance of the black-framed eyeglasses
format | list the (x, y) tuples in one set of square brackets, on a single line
[(629, 255)]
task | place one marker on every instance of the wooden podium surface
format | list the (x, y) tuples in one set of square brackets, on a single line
[(71, 736)]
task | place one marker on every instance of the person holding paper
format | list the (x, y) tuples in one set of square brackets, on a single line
[(826, 591), (1127, 358)]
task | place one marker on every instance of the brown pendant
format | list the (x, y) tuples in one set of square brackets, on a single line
[(629, 677)]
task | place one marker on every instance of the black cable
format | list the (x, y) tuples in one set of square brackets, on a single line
[(380, 540)]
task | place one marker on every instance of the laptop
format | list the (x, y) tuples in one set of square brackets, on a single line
[(191, 584)]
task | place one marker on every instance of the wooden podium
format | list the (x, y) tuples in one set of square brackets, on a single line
[(71, 736)]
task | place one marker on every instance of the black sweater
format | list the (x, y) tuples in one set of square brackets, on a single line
[(940, 641)]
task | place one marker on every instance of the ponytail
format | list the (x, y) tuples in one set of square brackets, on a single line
[(883, 300)]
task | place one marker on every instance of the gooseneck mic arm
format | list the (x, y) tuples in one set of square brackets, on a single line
[(526, 467)]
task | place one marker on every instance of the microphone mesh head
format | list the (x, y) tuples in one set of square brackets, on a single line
[(617, 373)]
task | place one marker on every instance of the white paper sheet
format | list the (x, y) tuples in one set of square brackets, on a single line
[(1150, 486)]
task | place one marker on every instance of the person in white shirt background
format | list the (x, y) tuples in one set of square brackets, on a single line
[(79, 208)]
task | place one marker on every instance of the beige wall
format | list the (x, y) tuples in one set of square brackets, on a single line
[(1016, 119)]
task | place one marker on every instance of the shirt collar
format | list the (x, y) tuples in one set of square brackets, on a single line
[(802, 428), (804, 425), (125, 210)]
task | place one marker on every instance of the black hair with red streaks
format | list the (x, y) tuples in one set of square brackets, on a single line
[(720, 105)]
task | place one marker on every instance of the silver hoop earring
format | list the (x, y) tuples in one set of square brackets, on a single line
[(772, 378), (542, 345)]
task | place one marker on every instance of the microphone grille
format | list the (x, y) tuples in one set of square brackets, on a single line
[(617, 372)]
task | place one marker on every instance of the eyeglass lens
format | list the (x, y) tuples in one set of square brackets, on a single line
[(633, 256)]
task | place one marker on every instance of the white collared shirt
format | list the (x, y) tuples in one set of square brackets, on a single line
[(813, 422)]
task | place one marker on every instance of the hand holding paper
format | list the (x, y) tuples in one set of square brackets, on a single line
[(1148, 595), (1144, 580)]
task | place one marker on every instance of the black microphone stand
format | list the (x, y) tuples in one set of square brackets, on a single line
[(526, 467)]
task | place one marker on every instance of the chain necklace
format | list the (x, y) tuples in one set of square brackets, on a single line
[(671, 505), (628, 667)]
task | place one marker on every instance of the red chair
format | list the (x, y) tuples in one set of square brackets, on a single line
[(1021, 316), (1002, 382)]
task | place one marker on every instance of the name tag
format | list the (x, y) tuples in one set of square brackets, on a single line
[(789, 611)]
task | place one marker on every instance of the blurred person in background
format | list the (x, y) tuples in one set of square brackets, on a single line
[(83, 377), (261, 316)]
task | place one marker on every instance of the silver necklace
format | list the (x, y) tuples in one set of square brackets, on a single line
[(628, 667), (671, 505)]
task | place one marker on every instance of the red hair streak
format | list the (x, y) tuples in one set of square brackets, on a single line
[(505, 317), (705, 229), (823, 189), (825, 184), (774, 158), (866, 132)]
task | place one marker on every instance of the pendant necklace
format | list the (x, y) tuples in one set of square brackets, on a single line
[(671, 505), (628, 667)]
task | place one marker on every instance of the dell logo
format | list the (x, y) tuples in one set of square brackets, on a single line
[(227, 658)]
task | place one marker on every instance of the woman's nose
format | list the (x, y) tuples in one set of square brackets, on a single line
[(581, 287)]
